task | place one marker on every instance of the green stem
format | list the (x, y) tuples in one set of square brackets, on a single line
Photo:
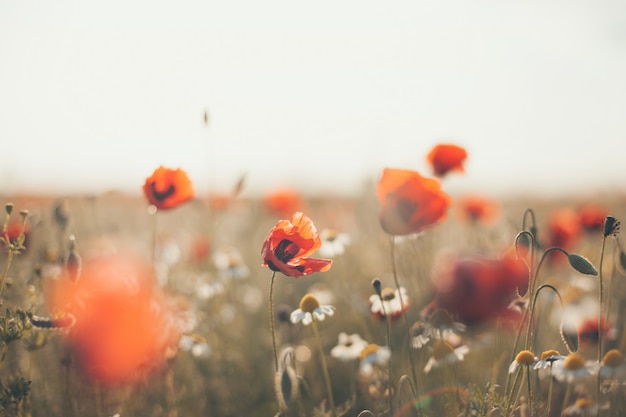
[(388, 335), (5, 272), (272, 321), (600, 324), (329, 388), (406, 321)]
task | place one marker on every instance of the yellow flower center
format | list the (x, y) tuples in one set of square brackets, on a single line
[(441, 349), (368, 350), (583, 403), (525, 357), (309, 303), (545, 355), (388, 294), (330, 235), (574, 361), (613, 358)]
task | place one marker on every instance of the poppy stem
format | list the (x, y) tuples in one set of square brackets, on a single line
[(600, 324), (406, 321), (329, 389), (388, 325), (272, 321)]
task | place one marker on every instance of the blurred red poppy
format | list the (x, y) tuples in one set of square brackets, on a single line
[(284, 202), (123, 325), (14, 230), (477, 209), (479, 289), (409, 202), (592, 217), (168, 188), (564, 228), (288, 243), (445, 158)]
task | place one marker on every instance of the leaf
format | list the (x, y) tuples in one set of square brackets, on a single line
[(582, 265)]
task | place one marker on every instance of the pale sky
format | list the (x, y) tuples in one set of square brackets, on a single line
[(315, 95)]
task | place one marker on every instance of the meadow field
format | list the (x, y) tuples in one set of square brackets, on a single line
[(112, 307)]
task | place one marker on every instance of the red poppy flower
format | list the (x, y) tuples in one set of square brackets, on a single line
[(409, 202), (564, 228), (592, 217), (479, 289), (123, 325), (476, 209), (287, 245), (168, 188), (284, 202), (14, 230), (445, 158)]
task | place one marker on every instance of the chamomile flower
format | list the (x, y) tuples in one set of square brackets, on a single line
[(573, 368), (333, 243), (439, 324), (388, 302), (310, 309), (349, 347), (373, 355), (547, 360), (230, 264), (443, 353), (613, 365), (523, 358)]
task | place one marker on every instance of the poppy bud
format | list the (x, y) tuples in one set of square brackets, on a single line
[(611, 226), (377, 286), (9, 208)]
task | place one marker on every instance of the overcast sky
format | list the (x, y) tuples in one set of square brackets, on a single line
[(316, 95)]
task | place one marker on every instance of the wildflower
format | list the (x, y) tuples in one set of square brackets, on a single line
[(230, 264), (443, 353), (445, 158), (546, 362), (480, 288), (523, 358), (168, 188), (573, 368), (388, 303), (409, 202), (582, 407), (373, 355), (286, 380), (284, 202), (124, 326), (613, 365), (611, 226), (16, 231), (286, 246), (477, 209), (310, 309), (588, 331), (563, 228), (592, 217), (349, 347), (333, 243)]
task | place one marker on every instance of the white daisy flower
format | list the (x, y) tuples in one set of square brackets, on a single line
[(388, 302), (544, 365), (523, 358), (310, 309), (230, 264), (372, 355), (443, 353), (349, 347), (333, 243), (573, 368), (613, 365)]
